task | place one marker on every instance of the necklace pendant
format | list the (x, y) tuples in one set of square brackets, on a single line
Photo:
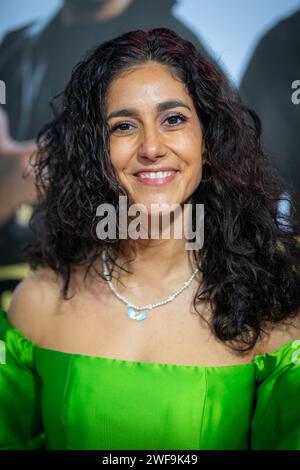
[(136, 314)]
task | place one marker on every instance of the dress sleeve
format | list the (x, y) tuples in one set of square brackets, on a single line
[(20, 410), (276, 419)]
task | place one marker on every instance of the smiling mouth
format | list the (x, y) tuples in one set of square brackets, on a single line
[(156, 178)]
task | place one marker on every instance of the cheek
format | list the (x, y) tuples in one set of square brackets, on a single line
[(190, 149), (120, 156)]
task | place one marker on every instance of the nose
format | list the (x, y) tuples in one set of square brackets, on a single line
[(151, 145)]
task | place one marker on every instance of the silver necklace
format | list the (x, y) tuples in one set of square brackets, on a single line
[(136, 312)]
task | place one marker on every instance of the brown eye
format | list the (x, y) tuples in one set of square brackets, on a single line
[(175, 119), (122, 127)]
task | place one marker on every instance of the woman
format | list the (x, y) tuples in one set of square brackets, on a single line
[(215, 349)]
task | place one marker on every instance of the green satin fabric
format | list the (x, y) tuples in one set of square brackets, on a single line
[(57, 400)]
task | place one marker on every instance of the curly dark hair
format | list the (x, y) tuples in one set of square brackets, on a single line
[(250, 258)]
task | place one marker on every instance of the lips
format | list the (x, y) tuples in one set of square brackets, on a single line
[(155, 169), (155, 174), (156, 178)]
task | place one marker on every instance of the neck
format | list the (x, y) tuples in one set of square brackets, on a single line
[(77, 12), (164, 255), (152, 262)]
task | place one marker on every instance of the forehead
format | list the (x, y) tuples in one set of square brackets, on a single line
[(147, 82)]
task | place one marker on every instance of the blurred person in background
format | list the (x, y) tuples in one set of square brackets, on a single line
[(35, 63), (268, 86)]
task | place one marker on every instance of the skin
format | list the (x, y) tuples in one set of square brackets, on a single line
[(94, 321), (15, 158), (74, 12), (151, 138)]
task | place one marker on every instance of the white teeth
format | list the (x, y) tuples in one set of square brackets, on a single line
[(156, 174)]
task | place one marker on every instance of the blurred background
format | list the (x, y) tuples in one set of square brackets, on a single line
[(257, 44)]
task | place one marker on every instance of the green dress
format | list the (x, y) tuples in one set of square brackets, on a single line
[(57, 400)]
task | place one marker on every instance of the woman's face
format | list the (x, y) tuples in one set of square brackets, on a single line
[(155, 136)]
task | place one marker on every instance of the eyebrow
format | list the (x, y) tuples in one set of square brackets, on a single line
[(130, 112)]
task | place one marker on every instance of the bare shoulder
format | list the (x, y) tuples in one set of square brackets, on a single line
[(34, 300), (279, 334)]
